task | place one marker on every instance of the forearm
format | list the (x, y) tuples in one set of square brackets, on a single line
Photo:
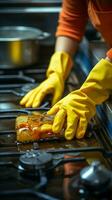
[(66, 44)]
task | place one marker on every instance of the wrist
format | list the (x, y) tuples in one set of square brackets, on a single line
[(66, 44), (109, 55), (61, 64)]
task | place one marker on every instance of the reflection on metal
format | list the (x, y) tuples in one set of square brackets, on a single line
[(15, 51), (30, 10)]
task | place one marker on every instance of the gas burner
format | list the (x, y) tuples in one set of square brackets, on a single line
[(33, 161), (93, 182), (95, 176)]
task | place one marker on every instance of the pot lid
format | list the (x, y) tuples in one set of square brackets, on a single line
[(16, 33)]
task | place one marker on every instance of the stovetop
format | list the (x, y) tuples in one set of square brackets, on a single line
[(50, 168)]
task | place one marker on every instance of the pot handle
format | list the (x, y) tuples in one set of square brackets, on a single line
[(43, 35)]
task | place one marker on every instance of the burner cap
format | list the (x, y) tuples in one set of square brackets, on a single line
[(93, 181), (95, 176), (33, 160)]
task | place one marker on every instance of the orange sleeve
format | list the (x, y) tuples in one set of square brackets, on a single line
[(72, 19)]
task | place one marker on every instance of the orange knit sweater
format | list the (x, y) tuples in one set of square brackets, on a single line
[(75, 14)]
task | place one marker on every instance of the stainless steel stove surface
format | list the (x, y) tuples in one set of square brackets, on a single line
[(50, 168)]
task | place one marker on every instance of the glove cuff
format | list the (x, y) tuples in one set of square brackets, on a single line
[(98, 84), (60, 63)]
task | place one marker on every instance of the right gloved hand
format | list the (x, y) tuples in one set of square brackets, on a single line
[(78, 107), (58, 70)]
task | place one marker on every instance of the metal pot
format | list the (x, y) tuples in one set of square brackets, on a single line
[(19, 46)]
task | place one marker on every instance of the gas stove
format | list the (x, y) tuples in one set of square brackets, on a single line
[(55, 173), (50, 168)]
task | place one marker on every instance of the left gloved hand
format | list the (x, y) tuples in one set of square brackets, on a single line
[(79, 106), (58, 70)]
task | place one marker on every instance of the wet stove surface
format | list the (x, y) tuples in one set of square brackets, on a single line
[(44, 169)]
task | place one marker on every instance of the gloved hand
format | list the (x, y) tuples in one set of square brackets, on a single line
[(79, 106), (58, 70)]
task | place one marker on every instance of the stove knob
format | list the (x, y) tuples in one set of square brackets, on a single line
[(95, 176)]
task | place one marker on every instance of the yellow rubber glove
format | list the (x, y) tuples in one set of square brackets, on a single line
[(58, 70), (79, 106)]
